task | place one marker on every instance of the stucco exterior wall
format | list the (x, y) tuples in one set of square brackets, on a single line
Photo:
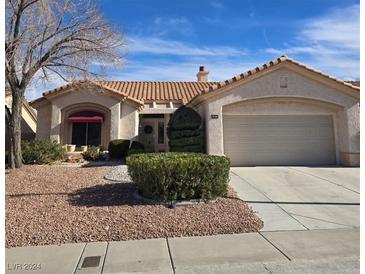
[(44, 115), (267, 87), (49, 122), (129, 121)]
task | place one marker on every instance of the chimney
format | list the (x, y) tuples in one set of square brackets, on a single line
[(202, 75)]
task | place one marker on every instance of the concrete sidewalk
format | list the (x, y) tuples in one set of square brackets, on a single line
[(314, 251)]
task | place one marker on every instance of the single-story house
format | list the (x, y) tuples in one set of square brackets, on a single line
[(281, 113), (28, 123)]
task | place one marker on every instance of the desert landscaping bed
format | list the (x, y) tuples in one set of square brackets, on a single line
[(59, 204)]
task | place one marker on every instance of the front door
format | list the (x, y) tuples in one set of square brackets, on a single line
[(152, 134)]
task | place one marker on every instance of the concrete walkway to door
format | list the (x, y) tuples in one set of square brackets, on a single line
[(301, 198)]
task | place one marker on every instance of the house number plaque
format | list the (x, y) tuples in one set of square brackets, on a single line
[(214, 116)]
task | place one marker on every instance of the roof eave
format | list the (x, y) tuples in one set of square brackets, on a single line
[(60, 90), (269, 67)]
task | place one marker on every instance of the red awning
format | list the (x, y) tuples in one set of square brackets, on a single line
[(83, 119)]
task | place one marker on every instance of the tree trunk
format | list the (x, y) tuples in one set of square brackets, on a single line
[(15, 129)]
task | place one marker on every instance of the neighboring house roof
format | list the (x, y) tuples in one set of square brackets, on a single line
[(269, 65), (354, 83), (182, 91), (7, 91), (26, 105)]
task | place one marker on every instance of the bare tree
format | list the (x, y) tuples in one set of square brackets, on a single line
[(52, 37)]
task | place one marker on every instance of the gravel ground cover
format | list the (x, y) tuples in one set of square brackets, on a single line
[(59, 204), (119, 174)]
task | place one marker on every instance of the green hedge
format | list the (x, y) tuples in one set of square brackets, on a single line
[(42, 152), (118, 148), (185, 118), (187, 141), (135, 151), (185, 131), (179, 176), (137, 145)]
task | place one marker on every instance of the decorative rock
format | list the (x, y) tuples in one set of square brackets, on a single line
[(119, 174)]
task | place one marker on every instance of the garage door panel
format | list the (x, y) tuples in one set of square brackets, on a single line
[(279, 139)]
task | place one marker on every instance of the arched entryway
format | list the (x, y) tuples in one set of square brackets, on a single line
[(85, 124)]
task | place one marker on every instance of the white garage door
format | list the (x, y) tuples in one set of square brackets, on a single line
[(279, 140)]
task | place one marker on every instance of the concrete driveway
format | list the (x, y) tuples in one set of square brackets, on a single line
[(301, 198)]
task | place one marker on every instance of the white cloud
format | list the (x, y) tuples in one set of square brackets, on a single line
[(168, 25), (330, 42), (217, 4), (154, 45), (340, 28), (162, 70)]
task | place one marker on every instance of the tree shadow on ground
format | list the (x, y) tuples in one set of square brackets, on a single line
[(114, 194)]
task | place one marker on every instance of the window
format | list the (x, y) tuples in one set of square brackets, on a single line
[(283, 81), (161, 132), (148, 129)]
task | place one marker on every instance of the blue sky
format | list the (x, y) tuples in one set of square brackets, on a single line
[(169, 40)]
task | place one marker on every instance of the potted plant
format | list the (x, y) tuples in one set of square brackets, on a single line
[(71, 148), (83, 148)]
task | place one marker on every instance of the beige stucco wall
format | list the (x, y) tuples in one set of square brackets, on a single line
[(44, 115), (128, 123), (322, 99), (123, 116), (27, 117), (84, 96)]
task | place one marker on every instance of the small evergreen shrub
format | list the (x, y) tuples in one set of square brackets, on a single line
[(135, 151), (137, 145), (179, 176), (185, 131), (93, 154), (118, 148), (136, 148), (42, 152)]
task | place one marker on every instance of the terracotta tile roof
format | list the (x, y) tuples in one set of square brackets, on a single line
[(143, 91), (87, 82), (152, 91), (354, 83), (268, 65), (7, 91)]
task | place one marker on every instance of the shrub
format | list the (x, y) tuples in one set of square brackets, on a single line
[(136, 148), (137, 145), (179, 176), (135, 151), (185, 131), (118, 148), (93, 154), (42, 152)]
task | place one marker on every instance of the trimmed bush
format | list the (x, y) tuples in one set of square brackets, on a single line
[(185, 131), (179, 176), (137, 145), (93, 154), (118, 148), (42, 152), (135, 151)]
